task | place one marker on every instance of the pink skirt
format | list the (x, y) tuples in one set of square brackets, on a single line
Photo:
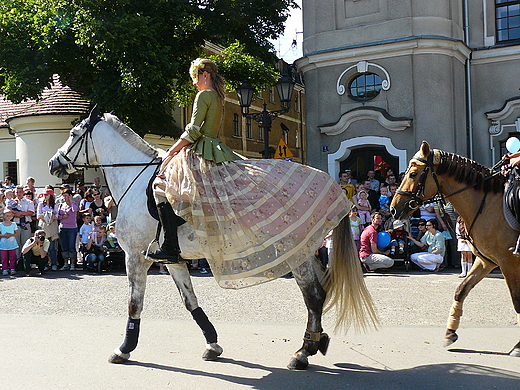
[(256, 220)]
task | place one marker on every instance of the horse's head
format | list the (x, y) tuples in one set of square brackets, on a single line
[(77, 151), (419, 183)]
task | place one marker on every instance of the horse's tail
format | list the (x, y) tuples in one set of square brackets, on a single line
[(345, 285)]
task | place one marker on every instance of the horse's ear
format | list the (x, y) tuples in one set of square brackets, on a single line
[(425, 149), (94, 114)]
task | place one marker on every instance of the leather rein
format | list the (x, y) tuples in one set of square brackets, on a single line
[(83, 141)]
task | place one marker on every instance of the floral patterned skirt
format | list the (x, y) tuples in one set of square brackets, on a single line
[(256, 219)]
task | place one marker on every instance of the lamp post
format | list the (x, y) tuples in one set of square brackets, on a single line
[(285, 87)]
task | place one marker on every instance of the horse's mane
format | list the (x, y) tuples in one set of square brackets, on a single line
[(469, 172), (131, 136)]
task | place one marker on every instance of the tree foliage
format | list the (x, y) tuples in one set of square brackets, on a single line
[(132, 56)]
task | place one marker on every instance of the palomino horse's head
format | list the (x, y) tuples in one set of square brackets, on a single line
[(419, 184), (77, 151)]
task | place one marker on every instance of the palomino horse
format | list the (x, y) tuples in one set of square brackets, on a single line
[(128, 163), (476, 193)]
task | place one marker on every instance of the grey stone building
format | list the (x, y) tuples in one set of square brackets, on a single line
[(383, 75)]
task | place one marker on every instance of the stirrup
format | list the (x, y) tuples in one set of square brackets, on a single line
[(165, 259)]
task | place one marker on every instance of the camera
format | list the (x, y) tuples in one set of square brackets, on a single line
[(41, 238)]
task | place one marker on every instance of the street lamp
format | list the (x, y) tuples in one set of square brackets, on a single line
[(285, 87)]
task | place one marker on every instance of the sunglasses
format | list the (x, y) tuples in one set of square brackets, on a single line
[(422, 224)]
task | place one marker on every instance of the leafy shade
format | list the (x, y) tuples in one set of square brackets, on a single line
[(130, 56)]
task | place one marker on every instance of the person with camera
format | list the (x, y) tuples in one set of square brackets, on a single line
[(35, 251)]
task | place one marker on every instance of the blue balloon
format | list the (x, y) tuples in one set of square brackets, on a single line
[(513, 145), (383, 240)]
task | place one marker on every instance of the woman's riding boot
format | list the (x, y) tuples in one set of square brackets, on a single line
[(170, 248)]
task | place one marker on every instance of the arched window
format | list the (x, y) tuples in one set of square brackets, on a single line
[(365, 86)]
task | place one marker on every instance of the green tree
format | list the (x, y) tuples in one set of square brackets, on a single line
[(131, 56)]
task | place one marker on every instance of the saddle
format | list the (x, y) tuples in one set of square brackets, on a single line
[(150, 201), (512, 200)]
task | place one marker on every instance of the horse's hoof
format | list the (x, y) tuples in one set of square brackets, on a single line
[(450, 339), (324, 343), (212, 352), (515, 352), (297, 364), (118, 357)]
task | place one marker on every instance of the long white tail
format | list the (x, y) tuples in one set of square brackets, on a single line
[(345, 285)]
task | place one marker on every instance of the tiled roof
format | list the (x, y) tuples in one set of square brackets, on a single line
[(57, 100)]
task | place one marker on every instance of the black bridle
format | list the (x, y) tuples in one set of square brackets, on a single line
[(83, 142)]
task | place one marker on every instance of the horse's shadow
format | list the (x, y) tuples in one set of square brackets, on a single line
[(353, 376)]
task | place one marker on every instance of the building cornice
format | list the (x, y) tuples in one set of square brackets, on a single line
[(385, 49), (495, 54), (380, 115)]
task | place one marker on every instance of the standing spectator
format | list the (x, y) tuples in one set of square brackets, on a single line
[(111, 206), (374, 183), (97, 185), (390, 179), (47, 213), (8, 183), (29, 185), (84, 231), (356, 225), (434, 240), (34, 251), (26, 211), (8, 244), (371, 256), (347, 183), (2, 205), (373, 196), (97, 206), (32, 221), (466, 256), (81, 189), (67, 215)]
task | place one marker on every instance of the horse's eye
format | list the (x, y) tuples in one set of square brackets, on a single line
[(413, 174)]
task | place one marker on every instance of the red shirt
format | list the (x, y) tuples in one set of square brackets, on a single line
[(368, 237)]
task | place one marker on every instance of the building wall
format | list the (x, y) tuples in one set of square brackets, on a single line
[(420, 47)]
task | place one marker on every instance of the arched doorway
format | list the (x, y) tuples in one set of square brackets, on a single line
[(373, 158)]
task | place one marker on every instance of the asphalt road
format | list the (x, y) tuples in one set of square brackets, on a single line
[(58, 331)]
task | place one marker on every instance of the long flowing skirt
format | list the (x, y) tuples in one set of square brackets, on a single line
[(256, 220)]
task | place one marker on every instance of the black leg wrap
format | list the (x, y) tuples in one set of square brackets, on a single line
[(132, 335), (208, 330)]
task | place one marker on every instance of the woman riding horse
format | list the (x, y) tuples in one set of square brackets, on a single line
[(257, 219)]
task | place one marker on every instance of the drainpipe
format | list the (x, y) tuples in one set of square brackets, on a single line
[(469, 107)]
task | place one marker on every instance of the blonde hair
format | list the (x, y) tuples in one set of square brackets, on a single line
[(204, 65)]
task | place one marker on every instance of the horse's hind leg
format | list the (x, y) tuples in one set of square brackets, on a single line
[(136, 270), (478, 272), (511, 272), (308, 278), (181, 276)]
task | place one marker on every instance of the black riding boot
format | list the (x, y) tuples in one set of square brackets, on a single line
[(170, 248)]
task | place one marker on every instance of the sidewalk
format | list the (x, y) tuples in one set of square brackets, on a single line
[(60, 352)]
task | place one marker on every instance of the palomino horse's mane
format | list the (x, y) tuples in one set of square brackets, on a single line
[(469, 172), (131, 136)]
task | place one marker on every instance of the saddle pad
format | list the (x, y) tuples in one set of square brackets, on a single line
[(511, 202)]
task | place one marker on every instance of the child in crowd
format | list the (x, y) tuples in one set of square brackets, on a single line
[(363, 201), (8, 244), (384, 200), (98, 221), (398, 238), (11, 203), (2, 206), (95, 247), (85, 230), (111, 242), (356, 225)]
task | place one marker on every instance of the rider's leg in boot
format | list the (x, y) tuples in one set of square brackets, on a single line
[(170, 249)]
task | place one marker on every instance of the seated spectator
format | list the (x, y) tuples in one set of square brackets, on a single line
[(371, 256), (98, 206), (8, 244), (111, 243), (85, 230), (421, 227), (47, 214), (347, 183), (95, 247), (35, 251), (433, 241)]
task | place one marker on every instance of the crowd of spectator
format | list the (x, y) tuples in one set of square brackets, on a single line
[(432, 242)]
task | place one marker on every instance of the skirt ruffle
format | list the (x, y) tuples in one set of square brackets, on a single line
[(256, 220)]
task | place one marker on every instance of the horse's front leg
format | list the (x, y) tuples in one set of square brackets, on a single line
[(182, 279), (136, 269), (478, 272), (308, 276)]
